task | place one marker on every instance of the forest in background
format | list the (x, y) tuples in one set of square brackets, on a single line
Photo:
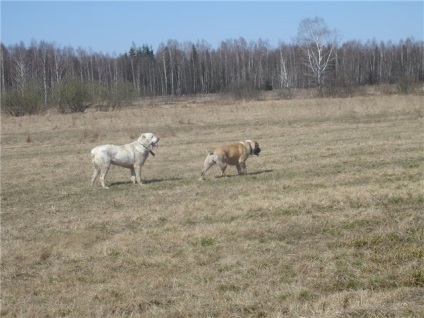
[(43, 75)]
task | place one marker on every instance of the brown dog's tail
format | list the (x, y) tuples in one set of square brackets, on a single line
[(211, 150)]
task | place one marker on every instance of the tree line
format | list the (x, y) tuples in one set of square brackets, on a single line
[(44, 74)]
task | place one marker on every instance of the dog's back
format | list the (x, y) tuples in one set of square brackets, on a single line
[(120, 155), (230, 154)]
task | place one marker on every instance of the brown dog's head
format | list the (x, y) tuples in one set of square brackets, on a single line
[(254, 147), (256, 150)]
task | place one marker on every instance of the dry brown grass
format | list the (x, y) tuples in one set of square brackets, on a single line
[(328, 222)]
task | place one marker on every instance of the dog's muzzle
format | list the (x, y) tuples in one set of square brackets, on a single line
[(155, 143), (257, 150)]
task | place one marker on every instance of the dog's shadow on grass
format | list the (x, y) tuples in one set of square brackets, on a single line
[(161, 180), (247, 174), (151, 181), (259, 172), (144, 181)]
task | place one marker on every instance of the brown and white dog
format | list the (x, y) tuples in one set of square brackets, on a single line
[(233, 155), (131, 156)]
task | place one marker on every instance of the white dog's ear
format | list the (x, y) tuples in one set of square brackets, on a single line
[(144, 141)]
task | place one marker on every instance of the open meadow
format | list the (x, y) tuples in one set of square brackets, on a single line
[(328, 222)]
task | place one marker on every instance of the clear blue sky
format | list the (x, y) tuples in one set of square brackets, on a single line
[(112, 26)]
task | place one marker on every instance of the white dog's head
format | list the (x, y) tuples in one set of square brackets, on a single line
[(149, 140)]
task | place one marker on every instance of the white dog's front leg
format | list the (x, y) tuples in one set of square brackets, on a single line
[(133, 178), (137, 170)]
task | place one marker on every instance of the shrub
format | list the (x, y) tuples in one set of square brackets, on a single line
[(268, 85), (285, 93), (245, 91), (341, 87), (116, 97), (16, 103), (75, 96), (404, 85)]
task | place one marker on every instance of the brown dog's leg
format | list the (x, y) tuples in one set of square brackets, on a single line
[(223, 167), (243, 169), (239, 169), (209, 162)]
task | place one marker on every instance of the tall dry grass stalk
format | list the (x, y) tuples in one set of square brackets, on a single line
[(327, 223)]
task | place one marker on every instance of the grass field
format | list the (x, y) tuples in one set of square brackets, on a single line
[(329, 221)]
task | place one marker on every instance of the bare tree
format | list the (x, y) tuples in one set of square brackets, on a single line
[(318, 44), (4, 67), (43, 57), (285, 80), (41, 72), (20, 67)]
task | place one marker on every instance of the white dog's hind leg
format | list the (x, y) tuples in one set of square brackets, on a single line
[(95, 174), (210, 160), (103, 173)]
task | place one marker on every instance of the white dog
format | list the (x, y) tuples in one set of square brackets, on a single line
[(131, 156)]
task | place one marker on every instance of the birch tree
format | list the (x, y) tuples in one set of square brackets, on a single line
[(4, 68), (285, 81), (318, 44)]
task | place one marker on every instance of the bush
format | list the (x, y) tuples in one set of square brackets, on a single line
[(245, 91), (285, 93), (16, 103), (75, 96), (268, 85), (341, 87), (116, 97), (404, 85)]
